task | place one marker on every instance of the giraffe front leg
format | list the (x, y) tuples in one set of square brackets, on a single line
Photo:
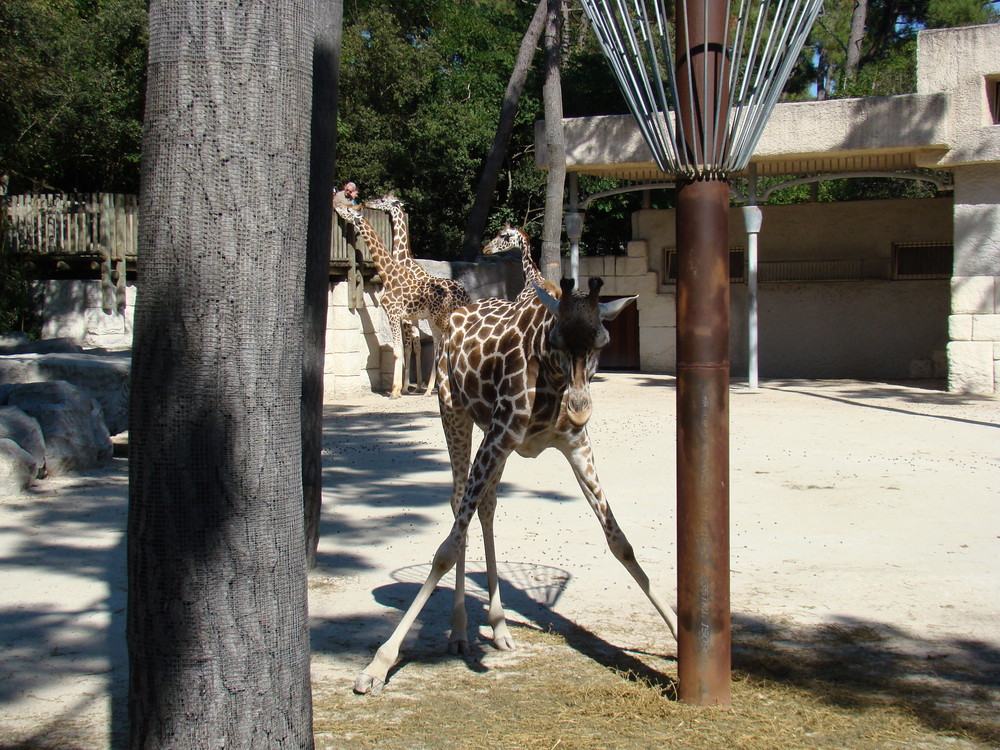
[(396, 331), (458, 434), (497, 618), (458, 639), (372, 678), (581, 458)]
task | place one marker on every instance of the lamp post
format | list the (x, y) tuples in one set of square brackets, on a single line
[(574, 230), (752, 218), (701, 86)]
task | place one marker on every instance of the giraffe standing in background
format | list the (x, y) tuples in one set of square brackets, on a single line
[(510, 238), (455, 295), (406, 295), (521, 372)]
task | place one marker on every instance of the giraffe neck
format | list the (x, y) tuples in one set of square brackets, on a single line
[(384, 261), (400, 237)]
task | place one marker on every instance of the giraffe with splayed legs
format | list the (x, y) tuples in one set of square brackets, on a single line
[(407, 295), (457, 295), (521, 372)]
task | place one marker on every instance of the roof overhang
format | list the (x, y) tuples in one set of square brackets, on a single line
[(893, 133)]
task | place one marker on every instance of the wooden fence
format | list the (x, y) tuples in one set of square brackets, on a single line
[(105, 225), (103, 228), (97, 224)]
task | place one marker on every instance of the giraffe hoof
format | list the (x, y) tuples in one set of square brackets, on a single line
[(504, 643), (458, 647), (365, 684)]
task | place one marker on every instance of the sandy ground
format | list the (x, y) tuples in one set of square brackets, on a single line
[(856, 503)]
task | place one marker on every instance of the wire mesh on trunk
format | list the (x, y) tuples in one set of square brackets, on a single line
[(732, 60)]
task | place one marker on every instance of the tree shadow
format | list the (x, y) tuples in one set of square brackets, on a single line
[(399, 481), (864, 395), (52, 629), (948, 684)]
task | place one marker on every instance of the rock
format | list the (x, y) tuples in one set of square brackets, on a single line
[(72, 424), (105, 377), (19, 345), (25, 431), (17, 468)]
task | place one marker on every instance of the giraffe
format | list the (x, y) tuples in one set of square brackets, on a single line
[(521, 372), (457, 295), (406, 295), (508, 238)]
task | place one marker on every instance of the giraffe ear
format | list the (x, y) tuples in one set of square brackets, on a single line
[(610, 310), (546, 299)]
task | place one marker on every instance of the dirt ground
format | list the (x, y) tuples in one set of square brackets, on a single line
[(861, 508)]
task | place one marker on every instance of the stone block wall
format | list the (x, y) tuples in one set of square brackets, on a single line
[(974, 323), (353, 362)]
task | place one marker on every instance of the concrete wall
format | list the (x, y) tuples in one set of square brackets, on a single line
[(877, 329), (72, 309)]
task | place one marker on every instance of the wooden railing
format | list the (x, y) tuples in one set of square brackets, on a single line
[(97, 224), (105, 225)]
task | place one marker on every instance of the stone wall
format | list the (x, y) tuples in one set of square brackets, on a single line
[(878, 329), (974, 325)]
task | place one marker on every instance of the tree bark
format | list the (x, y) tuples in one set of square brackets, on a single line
[(555, 145), (217, 626), (326, 64), (859, 19), (476, 225)]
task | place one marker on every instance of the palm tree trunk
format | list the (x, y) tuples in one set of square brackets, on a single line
[(217, 624), (476, 225), (326, 64), (555, 144)]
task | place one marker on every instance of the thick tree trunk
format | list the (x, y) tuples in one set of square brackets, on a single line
[(326, 63), (217, 623), (476, 225), (555, 144)]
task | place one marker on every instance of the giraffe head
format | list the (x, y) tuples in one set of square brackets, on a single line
[(509, 237), (576, 339), (387, 202), (346, 212)]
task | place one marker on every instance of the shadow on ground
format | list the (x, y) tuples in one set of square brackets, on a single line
[(946, 684)]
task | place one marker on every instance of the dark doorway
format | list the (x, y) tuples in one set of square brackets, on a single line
[(623, 351)]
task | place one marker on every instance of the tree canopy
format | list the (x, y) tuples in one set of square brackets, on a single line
[(72, 85), (421, 86)]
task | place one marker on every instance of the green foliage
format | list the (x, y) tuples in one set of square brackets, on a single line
[(72, 84), (888, 49), (421, 87), (17, 300)]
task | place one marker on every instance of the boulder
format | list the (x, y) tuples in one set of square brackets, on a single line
[(72, 423), (23, 430), (105, 377), (11, 344), (17, 468)]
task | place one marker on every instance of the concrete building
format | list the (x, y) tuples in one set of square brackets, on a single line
[(847, 289)]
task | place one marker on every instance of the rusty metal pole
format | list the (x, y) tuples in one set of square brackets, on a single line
[(704, 659)]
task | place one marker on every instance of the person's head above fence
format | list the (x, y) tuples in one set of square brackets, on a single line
[(347, 194)]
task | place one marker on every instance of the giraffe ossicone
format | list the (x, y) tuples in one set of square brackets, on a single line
[(520, 371)]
